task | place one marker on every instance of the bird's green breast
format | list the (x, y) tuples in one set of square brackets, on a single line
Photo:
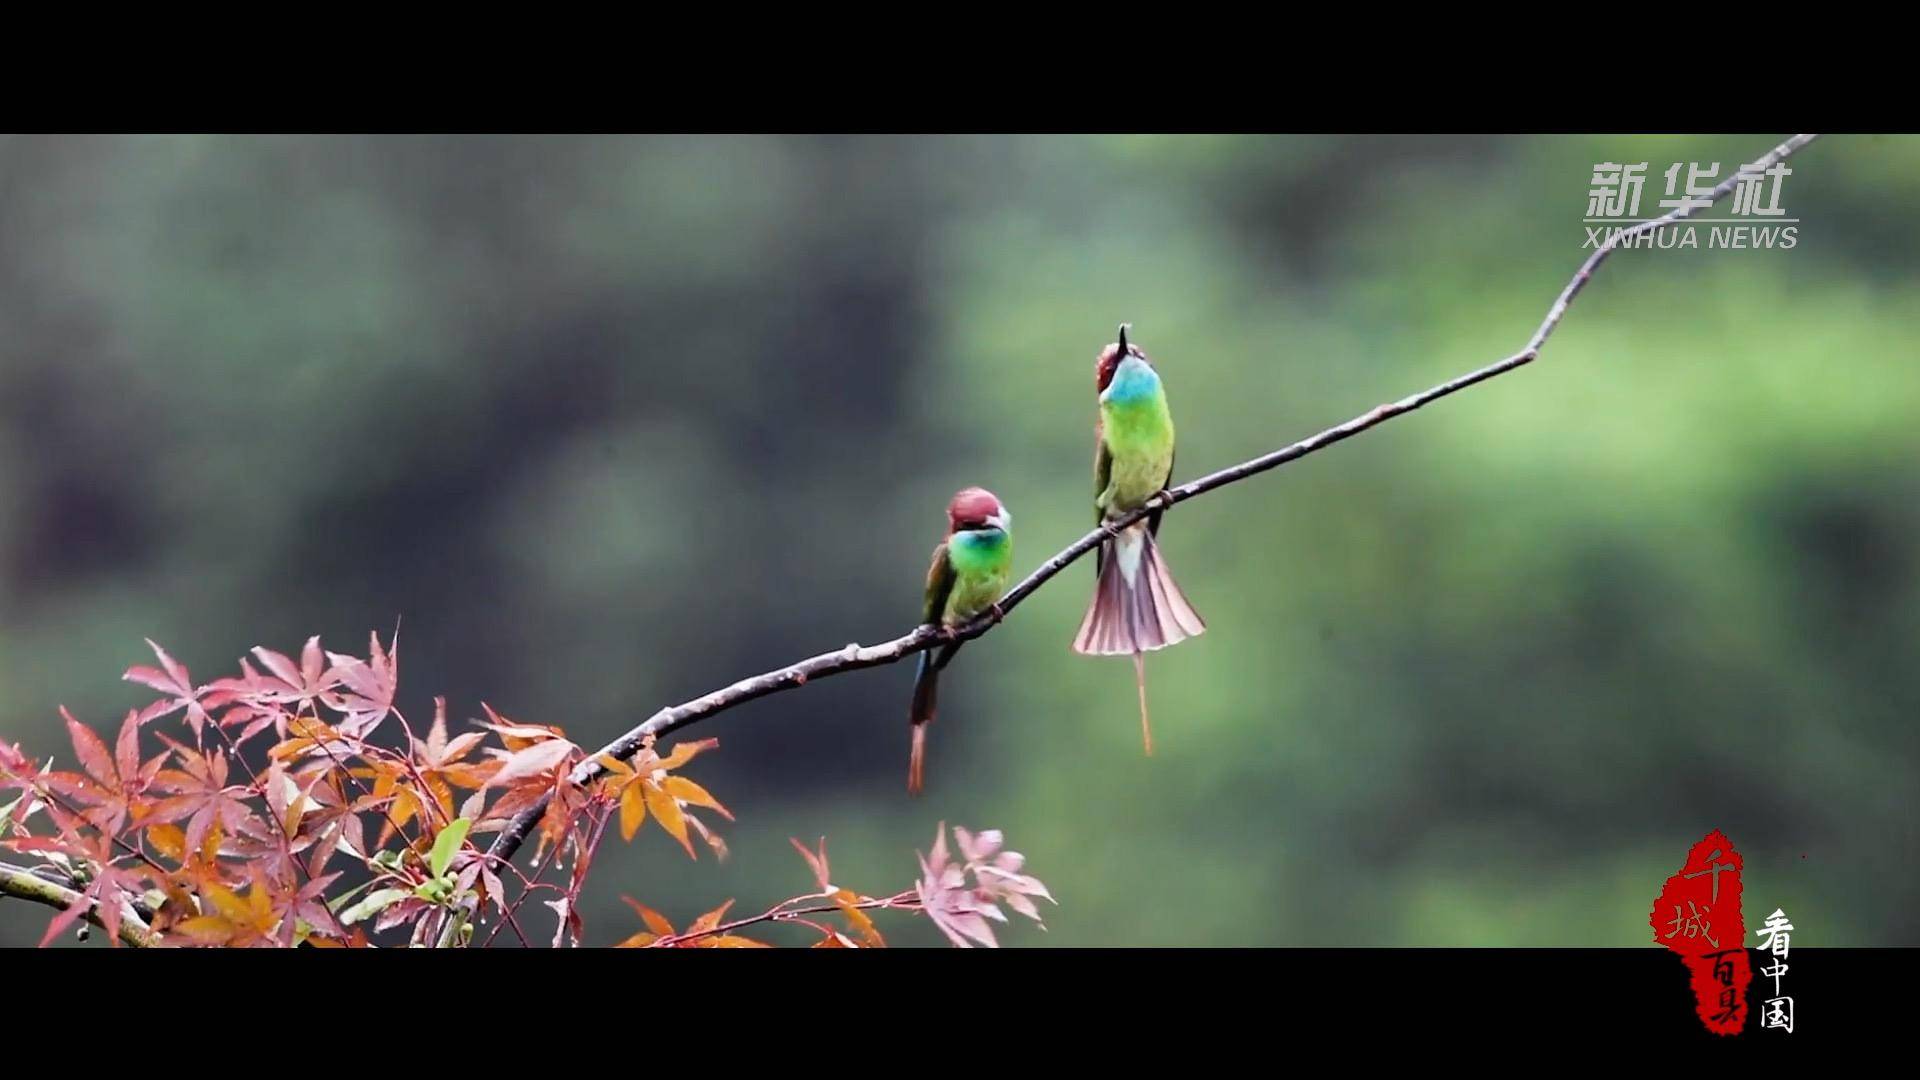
[(1139, 434), (982, 561)]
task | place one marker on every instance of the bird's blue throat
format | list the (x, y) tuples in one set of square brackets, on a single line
[(1133, 383), (982, 540)]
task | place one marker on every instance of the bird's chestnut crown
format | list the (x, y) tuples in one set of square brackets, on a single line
[(975, 508), (1110, 358)]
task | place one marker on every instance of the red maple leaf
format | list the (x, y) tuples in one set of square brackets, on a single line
[(301, 685), (440, 760), (309, 904), (17, 774), (115, 783), (172, 679), (198, 791), (369, 683), (264, 917), (336, 820), (254, 700)]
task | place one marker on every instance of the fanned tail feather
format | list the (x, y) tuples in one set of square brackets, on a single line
[(1137, 607)]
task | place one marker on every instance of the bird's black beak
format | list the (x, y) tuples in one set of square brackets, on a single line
[(1123, 340)]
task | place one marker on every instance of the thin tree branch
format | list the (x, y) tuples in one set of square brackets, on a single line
[(901, 901), (855, 657), (24, 884)]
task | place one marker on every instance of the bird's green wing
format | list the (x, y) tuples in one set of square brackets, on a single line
[(1153, 519), (1102, 472), (939, 585)]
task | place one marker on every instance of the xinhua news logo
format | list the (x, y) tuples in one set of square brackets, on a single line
[(1754, 218)]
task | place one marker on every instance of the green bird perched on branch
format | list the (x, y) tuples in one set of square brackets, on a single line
[(970, 571), (1136, 605)]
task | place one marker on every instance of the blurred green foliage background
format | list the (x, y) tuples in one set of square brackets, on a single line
[(610, 422)]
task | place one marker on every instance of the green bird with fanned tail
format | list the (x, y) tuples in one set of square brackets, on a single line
[(1136, 606)]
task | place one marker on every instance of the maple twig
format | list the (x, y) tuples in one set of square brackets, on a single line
[(907, 900), (367, 752), (67, 880), (446, 934), (855, 657), (24, 884), (253, 778)]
